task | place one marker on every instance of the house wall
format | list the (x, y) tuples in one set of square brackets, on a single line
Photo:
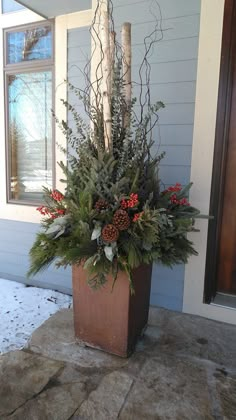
[(173, 81), (19, 223), (202, 157), (16, 238), (174, 64), (79, 52)]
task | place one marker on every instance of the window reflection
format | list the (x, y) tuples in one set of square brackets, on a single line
[(30, 134), (31, 44)]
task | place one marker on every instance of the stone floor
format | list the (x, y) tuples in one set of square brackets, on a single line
[(184, 368)]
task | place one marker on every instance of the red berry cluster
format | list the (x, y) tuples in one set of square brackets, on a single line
[(57, 213), (137, 216), (56, 195), (132, 202), (60, 212), (53, 214), (174, 188), (173, 198), (43, 210), (182, 202)]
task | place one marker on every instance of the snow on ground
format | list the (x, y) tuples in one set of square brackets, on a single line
[(23, 309)]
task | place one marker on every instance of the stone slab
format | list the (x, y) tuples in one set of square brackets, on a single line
[(183, 369), (57, 403), (169, 388), (22, 376), (107, 400), (55, 339), (195, 336), (226, 390)]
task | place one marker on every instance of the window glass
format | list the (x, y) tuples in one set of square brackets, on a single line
[(11, 6), (29, 134), (30, 44)]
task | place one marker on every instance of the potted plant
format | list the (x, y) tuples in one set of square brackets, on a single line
[(112, 222)]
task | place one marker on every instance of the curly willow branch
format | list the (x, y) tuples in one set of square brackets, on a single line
[(92, 94)]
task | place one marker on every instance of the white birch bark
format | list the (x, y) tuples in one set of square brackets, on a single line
[(106, 79)]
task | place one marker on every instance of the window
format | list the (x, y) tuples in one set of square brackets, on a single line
[(29, 129), (29, 44), (11, 6)]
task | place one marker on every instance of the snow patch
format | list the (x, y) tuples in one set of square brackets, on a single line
[(23, 309)]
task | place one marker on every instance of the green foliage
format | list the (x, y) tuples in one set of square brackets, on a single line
[(125, 178)]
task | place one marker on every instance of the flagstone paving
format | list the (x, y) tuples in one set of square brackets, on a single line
[(184, 368)]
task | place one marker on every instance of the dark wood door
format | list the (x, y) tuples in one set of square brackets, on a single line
[(226, 272), (221, 247), (226, 261)]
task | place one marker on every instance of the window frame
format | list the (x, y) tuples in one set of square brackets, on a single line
[(30, 66), (21, 28)]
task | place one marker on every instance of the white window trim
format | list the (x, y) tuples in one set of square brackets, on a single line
[(22, 212), (209, 58)]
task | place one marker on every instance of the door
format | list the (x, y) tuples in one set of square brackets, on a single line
[(221, 252), (226, 269)]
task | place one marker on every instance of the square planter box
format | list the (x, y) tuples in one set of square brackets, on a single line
[(111, 320)]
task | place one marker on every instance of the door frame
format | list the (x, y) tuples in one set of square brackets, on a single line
[(208, 72), (221, 145)]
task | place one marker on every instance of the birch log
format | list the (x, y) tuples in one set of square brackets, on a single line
[(127, 57), (106, 79)]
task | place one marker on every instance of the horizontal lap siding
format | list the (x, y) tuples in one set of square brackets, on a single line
[(173, 81), (78, 53), (143, 10), (16, 239)]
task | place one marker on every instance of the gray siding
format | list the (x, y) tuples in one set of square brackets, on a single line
[(173, 81), (173, 74), (16, 238), (174, 65), (79, 51)]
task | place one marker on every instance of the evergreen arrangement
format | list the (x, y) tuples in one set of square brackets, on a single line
[(112, 215)]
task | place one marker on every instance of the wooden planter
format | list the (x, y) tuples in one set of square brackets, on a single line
[(111, 320)]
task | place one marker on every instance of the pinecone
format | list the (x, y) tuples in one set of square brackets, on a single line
[(110, 233), (121, 220), (101, 204)]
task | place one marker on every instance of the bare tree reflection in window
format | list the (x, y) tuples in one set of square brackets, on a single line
[(29, 110), (31, 39), (29, 104), (30, 44)]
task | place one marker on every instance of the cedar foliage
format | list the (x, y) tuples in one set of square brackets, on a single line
[(126, 179)]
